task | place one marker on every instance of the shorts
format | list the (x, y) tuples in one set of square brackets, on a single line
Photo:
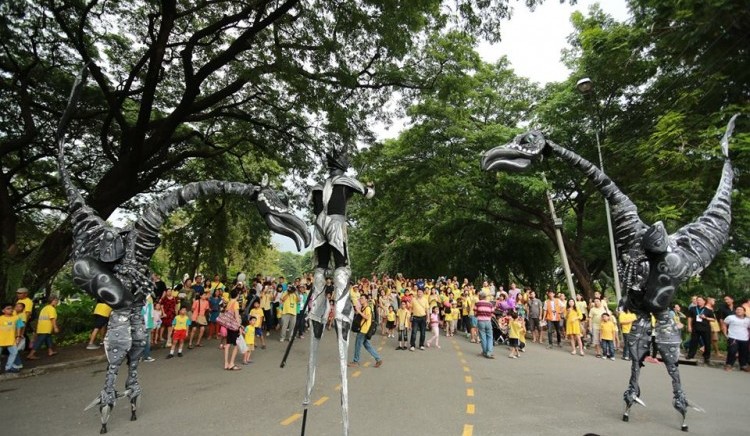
[(595, 335), (100, 321), (390, 325), (473, 321), (259, 332), (179, 335), (536, 324), (250, 347), (232, 336), (513, 342)]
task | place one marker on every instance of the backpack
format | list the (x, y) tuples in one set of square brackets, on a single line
[(373, 325)]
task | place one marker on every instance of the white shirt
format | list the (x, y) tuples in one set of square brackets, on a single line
[(738, 328)]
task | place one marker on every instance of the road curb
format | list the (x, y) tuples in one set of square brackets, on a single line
[(43, 369)]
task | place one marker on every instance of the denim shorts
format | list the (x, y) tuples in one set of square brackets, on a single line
[(473, 321)]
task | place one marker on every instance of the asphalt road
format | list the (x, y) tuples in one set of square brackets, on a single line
[(447, 391)]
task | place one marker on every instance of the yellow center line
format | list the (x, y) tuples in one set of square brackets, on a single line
[(467, 378), (460, 353), (324, 399), (337, 388), (469, 392), (466, 369), (469, 409), (366, 364), (463, 361), (291, 419), (468, 430), (380, 348), (356, 373)]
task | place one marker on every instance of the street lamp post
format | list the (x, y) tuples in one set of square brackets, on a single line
[(586, 87), (560, 245)]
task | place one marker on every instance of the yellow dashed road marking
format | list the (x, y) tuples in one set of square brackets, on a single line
[(469, 392), (323, 400), (463, 361), (380, 348), (337, 388), (467, 378), (460, 354), (468, 430), (469, 409), (466, 369), (366, 364), (291, 419), (356, 373)]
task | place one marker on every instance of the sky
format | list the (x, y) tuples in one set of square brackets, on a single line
[(532, 41)]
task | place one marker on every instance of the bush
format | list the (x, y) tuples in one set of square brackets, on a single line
[(75, 319)]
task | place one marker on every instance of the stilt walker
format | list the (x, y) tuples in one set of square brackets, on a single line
[(330, 241)]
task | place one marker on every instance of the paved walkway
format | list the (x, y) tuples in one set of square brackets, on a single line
[(450, 391)]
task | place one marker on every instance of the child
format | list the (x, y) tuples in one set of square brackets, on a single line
[(156, 334), (391, 324), (180, 325), (11, 335), (522, 336), (515, 328), (403, 316), (257, 313), (250, 333), (331, 313), (607, 332), (46, 325), (434, 327)]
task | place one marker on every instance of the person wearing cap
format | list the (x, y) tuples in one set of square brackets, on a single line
[(11, 326), (22, 296)]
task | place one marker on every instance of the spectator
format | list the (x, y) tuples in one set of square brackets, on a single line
[(101, 318), (535, 314), (157, 333), (11, 335), (608, 332), (573, 326), (20, 312), (365, 310), (626, 319), (515, 331), (169, 311), (258, 314), (404, 320), (553, 312), (595, 320), (159, 286), (250, 335), (715, 327), (419, 308), (22, 296), (148, 320), (301, 323), (215, 302), (289, 302), (391, 322), (46, 325), (699, 318), (737, 330), (484, 311), (181, 323), (434, 327), (233, 307), (199, 318)]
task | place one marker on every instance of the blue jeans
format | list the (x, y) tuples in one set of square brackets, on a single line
[(485, 335), (147, 348), (362, 340), (12, 353), (625, 346), (608, 348)]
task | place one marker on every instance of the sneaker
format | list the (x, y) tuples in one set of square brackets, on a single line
[(612, 359), (179, 354), (149, 359), (421, 348), (352, 364), (510, 357), (378, 363), (169, 356), (281, 340), (549, 346), (12, 371), (92, 347), (411, 348)]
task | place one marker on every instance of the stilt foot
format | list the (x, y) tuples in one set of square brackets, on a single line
[(625, 418), (133, 417), (684, 428), (103, 429)]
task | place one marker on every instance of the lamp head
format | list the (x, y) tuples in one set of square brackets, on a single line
[(585, 86)]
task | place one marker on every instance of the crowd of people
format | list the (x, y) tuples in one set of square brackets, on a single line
[(240, 315)]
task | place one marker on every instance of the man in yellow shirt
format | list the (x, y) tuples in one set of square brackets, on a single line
[(46, 325), (22, 296), (10, 336), (365, 310), (626, 319), (101, 318), (608, 330), (419, 307)]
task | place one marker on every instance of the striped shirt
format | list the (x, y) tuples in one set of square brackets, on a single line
[(483, 310)]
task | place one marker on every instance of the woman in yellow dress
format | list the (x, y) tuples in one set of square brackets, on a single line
[(573, 319)]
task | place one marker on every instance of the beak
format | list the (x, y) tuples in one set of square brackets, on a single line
[(506, 159), (290, 226)]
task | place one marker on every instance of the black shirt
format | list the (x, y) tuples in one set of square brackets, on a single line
[(702, 325)]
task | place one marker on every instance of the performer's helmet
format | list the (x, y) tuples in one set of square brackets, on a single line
[(337, 160)]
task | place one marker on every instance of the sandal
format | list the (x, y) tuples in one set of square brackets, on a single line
[(234, 368), (198, 345)]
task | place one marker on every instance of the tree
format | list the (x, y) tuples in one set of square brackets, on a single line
[(174, 81)]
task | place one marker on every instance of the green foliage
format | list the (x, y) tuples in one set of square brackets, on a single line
[(75, 319)]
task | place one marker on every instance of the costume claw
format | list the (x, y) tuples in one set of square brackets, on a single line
[(639, 401), (96, 402)]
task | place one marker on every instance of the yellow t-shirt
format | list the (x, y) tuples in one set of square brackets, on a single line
[(515, 329), (289, 306), (250, 335), (258, 314), (27, 303), (391, 316), (419, 306), (8, 328), (44, 325), (366, 320), (265, 301), (102, 309), (629, 318), (607, 330), (181, 322), (403, 316)]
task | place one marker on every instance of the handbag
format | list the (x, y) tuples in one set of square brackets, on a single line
[(227, 319), (241, 344), (357, 323)]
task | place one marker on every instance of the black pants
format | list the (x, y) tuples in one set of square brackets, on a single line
[(553, 325), (301, 325), (738, 347), (418, 323), (695, 340)]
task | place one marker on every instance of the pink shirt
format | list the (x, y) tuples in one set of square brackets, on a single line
[(483, 310)]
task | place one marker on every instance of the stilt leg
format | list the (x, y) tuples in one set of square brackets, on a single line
[(638, 341), (668, 343), (138, 334), (342, 328)]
